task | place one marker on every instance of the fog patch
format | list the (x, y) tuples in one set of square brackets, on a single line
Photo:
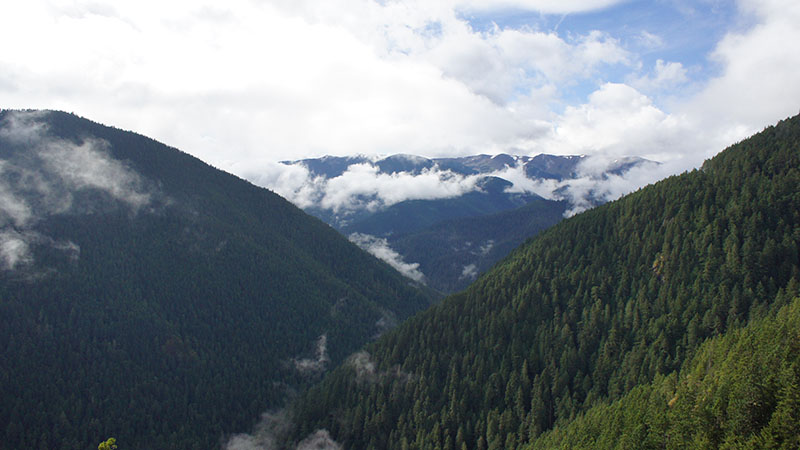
[(521, 184), (386, 322), (363, 186), (13, 209), (599, 179), (272, 432), (379, 247), (317, 364), (486, 247), (363, 365), (604, 179), (40, 177), (14, 250), (293, 182), (366, 370), (470, 272), (23, 127), (88, 166), (319, 440), (268, 434)]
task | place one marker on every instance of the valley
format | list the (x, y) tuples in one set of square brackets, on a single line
[(444, 221)]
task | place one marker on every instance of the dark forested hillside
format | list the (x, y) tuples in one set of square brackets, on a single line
[(147, 296), (741, 390), (453, 253), (606, 301)]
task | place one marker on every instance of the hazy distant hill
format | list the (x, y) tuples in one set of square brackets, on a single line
[(148, 296), (612, 304)]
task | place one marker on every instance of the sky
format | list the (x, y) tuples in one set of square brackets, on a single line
[(243, 84)]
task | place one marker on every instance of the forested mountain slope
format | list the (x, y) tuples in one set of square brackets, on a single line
[(453, 253), (590, 309), (147, 296), (741, 390)]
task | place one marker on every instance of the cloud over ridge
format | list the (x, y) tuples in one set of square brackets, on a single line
[(241, 85), (40, 176)]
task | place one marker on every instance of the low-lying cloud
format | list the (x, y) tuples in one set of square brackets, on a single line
[(366, 371), (595, 185), (317, 364), (272, 433), (274, 430), (319, 440), (40, 177), (14, 249), (379, 247), (469, 272), (266, 435), (364, 187)]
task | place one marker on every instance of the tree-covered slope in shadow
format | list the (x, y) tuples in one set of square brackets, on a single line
[(148, 296)]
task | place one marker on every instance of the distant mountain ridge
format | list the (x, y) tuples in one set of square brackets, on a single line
[(376, 196), (544, 166)]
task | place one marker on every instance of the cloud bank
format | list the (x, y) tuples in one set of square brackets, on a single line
[(247, 83), (363, 187)]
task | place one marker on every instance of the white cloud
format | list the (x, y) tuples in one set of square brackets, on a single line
[(361, 186), (291, 181), (469, 272), (14, 249), (363, 183), (317, 364), (366, 370), (379, 248), (246, 83), (13, 209), (545, 6), (273, 427), (759, 81), (591, 188), (649, 40), (86, 166), (41, 181), (363, 365), (618, 120), (593, 184), (665, 75), (319, 440)]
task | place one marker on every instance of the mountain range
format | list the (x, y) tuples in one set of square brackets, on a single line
[(443, 221)]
